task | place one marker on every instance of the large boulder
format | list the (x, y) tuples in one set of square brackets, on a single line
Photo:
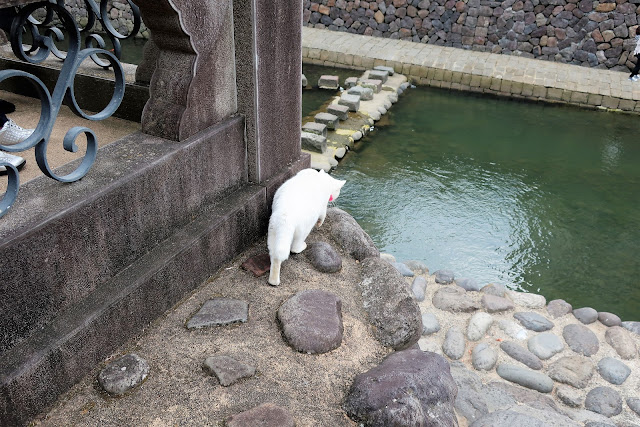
[(409, 388), (346, 231), (392, 310)]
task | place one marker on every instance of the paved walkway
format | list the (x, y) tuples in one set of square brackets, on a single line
[(454, 68)]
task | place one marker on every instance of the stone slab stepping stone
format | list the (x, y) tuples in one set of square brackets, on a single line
[(631, 326), (525, 377), (366, 94), (494, 289), (312, 321), (524, 299), (403, 269), (454, 343), (521, 354), (613, 370), (621, 341), (573, 370), (634, 404), (586, 315), (430, 324), (419, 287), (317, 128), (304, 81), (408, 388), (580, 339), (569, 397), (258, 264), (227, 369), (123, 374), (219, 312), (389, 70), (468, 284), (609, 319), (329, 82), (265, 415), (545, 345), (374, 85), (324, 258), (350, 82), (479, 324), (351, 101), (455, 299), (513, 329), (483, 357), (444, 277), (494, 304), (378, 75), (340, 111), (534, 321), (558, 308), (313, 142), (604, 400), (327, 119)]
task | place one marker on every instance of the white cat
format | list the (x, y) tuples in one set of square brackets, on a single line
[(298, 204)]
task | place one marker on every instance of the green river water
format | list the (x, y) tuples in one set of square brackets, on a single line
[(537, 197)]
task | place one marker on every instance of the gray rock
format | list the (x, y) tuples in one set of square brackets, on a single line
[(350, 82), (374, 85), (219, 312), (454, 343), (327, 119), (524, 299), (316, 128), (378, 75), (430, 324), (494, 289), (227, 369), (455, 299), (580, 339), (391, 307), (418, 287), (479, 324), (598, 424), (365, 93), (586, 315), (495, 304), (634, 404), (573, 370), (357, 136), (604, 400), (525, 377), (348, 234), (123, 374), (558, 308), (468, 284), (534, 321), (632, 326), (313, 142), (512, 329), (508, 418), (417, 266), (545, 345), (613, 370), (609, 319), (340, 152), (324, 258), (521, 354), (621, 341), (408, 388), (265, 415), (329, 82), (351, 101), (569, 396), (483, 357), (444, 277), (389, 70), (403, 269), (312, 321), (340, 111)]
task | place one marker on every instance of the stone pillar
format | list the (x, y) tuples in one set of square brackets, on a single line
[(268, 43), (193, 85)]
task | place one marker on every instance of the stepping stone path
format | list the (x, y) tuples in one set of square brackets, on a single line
[(340, 111), (123, 374), (323, 257), (265, 415), (327, 119), (227, 369), (329, 82), (219, 312)]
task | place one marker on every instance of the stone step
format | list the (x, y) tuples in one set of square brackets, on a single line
[(378, 75), (384, 68), (329, 82), (350, 82), (317, 128), (366, 94), (313, 142), (351, 101), (375, 85), (341, 111), (330, 120)]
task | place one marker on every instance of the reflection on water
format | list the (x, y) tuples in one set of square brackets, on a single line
[(541, 198)]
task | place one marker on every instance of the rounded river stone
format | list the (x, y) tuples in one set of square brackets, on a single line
[(454, 343), (512, 329), (632, 326), (604, 400), (613, 370), (609, 319), (478, 325), (521, 354), (430, 324), (417, 266), (444, 277), (525, 299), (586, 315), (580, 339), (312, 321), (573, 370), (545, 345), (418, 287), (495, 304), (620, 339), (324, 258), (634, 404), (534, 321), (525, 377), (123, 374), (468, 284), (558, 308), (454, 298), (403, 269), (494, 289), (484, 357)]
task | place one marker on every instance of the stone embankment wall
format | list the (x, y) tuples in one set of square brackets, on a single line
[(584, 32)]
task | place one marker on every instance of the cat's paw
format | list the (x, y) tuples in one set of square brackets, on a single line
[(274, 282), (296, 249), (320, 222)]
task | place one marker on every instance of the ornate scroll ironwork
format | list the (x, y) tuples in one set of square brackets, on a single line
[(41, 47)]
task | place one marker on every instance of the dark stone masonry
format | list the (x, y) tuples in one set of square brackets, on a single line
[(583, 32)]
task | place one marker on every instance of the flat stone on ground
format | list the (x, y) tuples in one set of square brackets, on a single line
[(573, 370), (455, 299), (479, 324), (613, 370), (569, 396), (580, 339), (521, 354), (483, 357), (620, 339), (329, 82), (545, 345), (123, 374), (327, 119), (525, 299), (430, 324), (468, 284), (350, 82), (227, 369), (351, 101), (389, 70), (525, 377), (340, 111), (378, 75), (495, 304), (558, 308), (374, 85), (312, 321), (418, 288), (586, 315), (219, 312), (634, 404), (454, 343), (534, 321), (324, 258), (604, 400), (444, 277), (317, 128), (365, 93), (258, 264), (265, 415), (313, 142), (609, 319)]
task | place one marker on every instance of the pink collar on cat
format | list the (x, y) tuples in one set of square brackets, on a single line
[(330, 198)]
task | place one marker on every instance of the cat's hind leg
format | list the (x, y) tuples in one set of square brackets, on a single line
[(274, 272), (298, 245)]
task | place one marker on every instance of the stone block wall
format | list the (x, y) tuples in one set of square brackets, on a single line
[(591, 33)]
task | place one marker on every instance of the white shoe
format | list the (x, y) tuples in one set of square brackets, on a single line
[(12, 134), (16, 161)]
